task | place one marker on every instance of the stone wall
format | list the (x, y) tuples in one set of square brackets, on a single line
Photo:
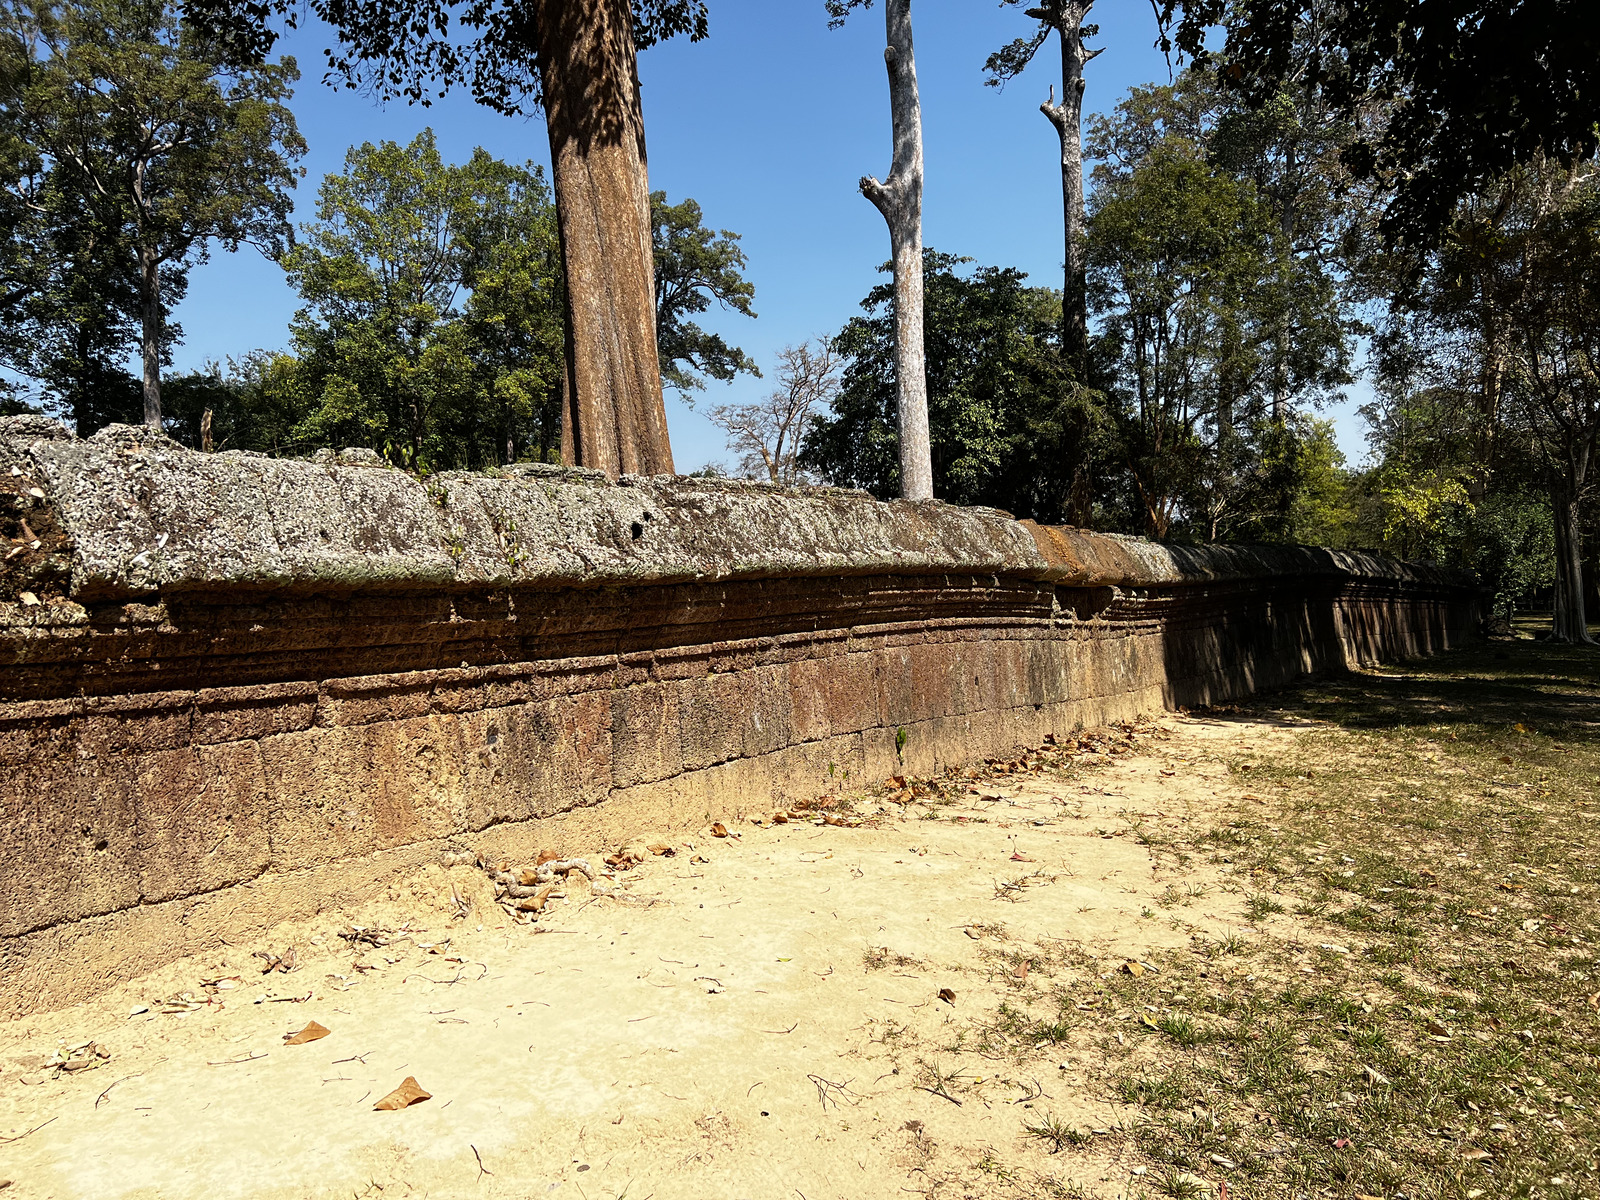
[(236, 689)]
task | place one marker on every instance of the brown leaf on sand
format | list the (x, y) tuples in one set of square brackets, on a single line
[(311, 1033), (947, 996), (537, 901), (1019, 856), (545, 856), (719, 830), (408, 1093)]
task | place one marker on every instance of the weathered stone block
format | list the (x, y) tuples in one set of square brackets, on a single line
[(202, 817), (251, 713), (646, 738)]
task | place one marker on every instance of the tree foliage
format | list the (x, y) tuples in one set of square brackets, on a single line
[(1010, 427), (696, 267), (419, 51), (1215, 322), (148, 146), (1489, 362), (432, 322), (1449, 95)]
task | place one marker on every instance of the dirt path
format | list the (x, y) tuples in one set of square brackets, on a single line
[(1341, 946), (757, 1016)]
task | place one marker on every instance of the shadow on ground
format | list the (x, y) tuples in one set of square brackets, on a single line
[(1500, 682)]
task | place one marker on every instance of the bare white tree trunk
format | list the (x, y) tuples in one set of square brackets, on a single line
[(900, 201), (1066, 16)]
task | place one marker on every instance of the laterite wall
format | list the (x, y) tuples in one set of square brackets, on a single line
[(236, 689)]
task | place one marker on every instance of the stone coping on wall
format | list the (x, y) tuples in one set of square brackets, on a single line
[(137, 516)]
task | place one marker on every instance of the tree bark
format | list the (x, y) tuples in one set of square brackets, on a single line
[(150, 332), (613, 415), (899, 199), (1569, 622), (1067, 20)]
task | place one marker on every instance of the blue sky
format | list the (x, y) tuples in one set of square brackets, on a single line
[(769, 123)]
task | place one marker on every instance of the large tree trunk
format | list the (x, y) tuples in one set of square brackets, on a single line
[(613, 417), (1568, 620), (900, 201), (1067, 18), (150, 333)]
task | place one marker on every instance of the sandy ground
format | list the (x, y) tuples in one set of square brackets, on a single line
[(763, 1023)]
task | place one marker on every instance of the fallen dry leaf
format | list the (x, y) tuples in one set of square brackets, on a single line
[(1473, 1154), (408, 1093), (311, 1033), (948, 996), (719, 830), (1132, 968), (545, 856), (1019, 856), (537, 901)]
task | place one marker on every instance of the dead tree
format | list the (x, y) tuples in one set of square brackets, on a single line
[(1065, 19), (768, 434), (899, 199)]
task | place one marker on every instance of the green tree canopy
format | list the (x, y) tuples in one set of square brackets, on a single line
[(1009, 426), (694, 268), (1219, 311), (1453, 92), (432, 322), (158, 143)]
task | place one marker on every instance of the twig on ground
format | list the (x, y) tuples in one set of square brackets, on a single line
[(26, 1132)]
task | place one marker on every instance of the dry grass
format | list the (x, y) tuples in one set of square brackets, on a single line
[(1410, 1011)]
